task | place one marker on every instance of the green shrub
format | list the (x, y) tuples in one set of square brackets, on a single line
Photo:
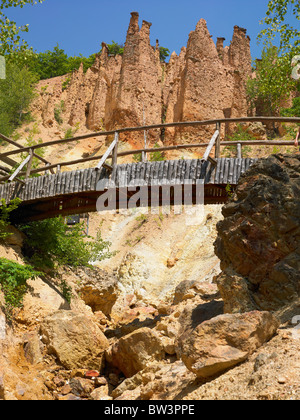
[(69, 134), (164, 53), (156, 156), (5, 211), (294, 111), (57, 114), (137, 157), (66, 83), (13, 278), (115, 49), (51, 243)]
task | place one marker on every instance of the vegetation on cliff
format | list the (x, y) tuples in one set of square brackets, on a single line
[(50, 243), (10, 35), (13, 278), (274, 83)]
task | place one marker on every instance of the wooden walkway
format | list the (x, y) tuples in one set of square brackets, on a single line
[(76, 192), (47, 192)]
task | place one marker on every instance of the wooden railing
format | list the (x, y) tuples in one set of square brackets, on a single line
[(113, 153)]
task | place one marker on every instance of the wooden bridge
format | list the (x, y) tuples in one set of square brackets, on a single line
[(74, 192)]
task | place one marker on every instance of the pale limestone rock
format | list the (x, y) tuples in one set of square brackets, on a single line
[(40, 301), (97, 289)]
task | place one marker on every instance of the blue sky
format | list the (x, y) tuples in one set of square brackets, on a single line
[(79, 26)]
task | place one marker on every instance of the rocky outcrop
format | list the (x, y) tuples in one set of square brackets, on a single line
[(2, 325), (137, 98), (259, 239), (225, 341), (205, 81), (212, 80), (100, 107), (156, 382)]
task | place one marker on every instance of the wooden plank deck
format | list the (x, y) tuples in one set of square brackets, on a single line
[(77, 191)]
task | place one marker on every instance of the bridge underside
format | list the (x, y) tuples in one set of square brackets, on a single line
[(80, 203)]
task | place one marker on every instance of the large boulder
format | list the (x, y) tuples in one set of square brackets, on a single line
[(74, 339), (259, 239), (136, 351), (224, 341)]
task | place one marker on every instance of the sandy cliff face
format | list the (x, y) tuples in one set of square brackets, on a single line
[(205, 81)]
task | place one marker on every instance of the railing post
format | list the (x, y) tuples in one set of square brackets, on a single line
[(239, 151), (28, 170), (115, 151), (144, 154), (218, 141), (18, 170), (212, 143)]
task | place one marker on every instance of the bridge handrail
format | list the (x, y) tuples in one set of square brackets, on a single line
[(153, 127), (115, 154)]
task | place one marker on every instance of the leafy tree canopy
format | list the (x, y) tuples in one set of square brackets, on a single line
[(16, 94), (280, 20), (164, 53), (273, 83), (54, 63), (10, 38)]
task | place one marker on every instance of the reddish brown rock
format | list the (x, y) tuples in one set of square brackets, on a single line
[(99, 108), (213, 80), (205, 81), (137, 99), (91, 374), (258, 240)]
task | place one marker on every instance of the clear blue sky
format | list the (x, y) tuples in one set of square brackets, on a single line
[(79, 26)]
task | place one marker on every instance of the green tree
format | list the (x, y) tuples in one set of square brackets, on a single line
[(10, 38), (281, 22), (55, 63), (164, 53), (16, 94), (272, 83), (50, 63), (294, 111)]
